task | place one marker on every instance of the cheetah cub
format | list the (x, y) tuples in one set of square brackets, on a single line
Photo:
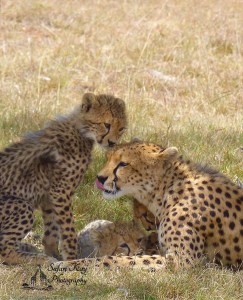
[(43, 171), (102, 237)]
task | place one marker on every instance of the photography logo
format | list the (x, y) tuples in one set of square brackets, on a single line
[(60, 275), (38, 281)]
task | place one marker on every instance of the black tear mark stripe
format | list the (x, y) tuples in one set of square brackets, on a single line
[(103, 136), (114, 172)]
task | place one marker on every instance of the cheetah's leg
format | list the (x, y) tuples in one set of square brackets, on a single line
[(16, 222), (50, 240), (147, 262), (182, 242), (64, 218)]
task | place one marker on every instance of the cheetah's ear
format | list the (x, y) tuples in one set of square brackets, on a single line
[(169, 153), (104, 230), (135, 139), (87, 102), (121, 103)]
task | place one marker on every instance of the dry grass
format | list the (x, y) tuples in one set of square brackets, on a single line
[(179, 67), (203, 284)]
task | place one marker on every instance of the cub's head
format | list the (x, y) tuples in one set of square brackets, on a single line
[(102, 237), (134, 169), (128, 238), (103, 118)]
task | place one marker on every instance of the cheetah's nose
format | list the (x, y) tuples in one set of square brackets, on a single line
[(111, 144), (102, 179)]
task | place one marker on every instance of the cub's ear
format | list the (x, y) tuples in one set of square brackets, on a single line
[(104, 230), (169, 153), (87, 102), (121, 103)]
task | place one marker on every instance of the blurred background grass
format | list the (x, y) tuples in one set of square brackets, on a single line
[(177, 64)]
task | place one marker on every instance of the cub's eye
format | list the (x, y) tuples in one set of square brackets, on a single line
[(124, 245), (122, 164), (107, 125), (122, 129), (140, 240)]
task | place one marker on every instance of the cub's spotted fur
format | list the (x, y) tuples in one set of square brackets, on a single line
[(44, 169), (200, 210)]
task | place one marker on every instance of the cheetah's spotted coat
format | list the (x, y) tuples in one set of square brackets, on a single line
[(44, 169)]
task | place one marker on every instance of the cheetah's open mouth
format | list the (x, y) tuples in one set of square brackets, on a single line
[(101, 187)]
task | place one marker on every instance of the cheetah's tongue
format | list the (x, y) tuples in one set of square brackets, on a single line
[(99, 185)]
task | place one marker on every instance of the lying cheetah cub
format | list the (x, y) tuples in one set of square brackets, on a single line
[(102, 237)]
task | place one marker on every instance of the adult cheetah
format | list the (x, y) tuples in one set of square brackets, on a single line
[(43, 171), (200, 210)]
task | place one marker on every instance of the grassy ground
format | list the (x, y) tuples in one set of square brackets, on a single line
[(179, 67)]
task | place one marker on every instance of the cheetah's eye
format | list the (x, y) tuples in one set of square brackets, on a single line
[(124, 245), (140, 240), (107, 125), (122, 164), (122, 129)]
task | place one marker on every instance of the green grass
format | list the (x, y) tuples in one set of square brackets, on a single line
[(179, 67)]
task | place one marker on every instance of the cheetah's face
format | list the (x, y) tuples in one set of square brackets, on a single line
[(104, 118), (122, 238), (133, 169), (131, 243)]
